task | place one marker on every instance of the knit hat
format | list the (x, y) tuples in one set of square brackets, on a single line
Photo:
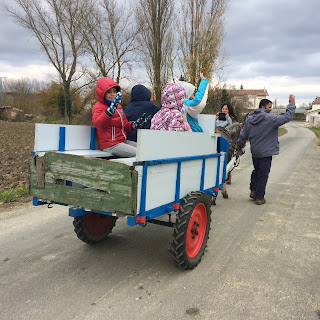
[(188, 87), (173, 96)]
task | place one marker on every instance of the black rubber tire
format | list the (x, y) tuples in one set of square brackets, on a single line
[(83, 232), (179, 243)]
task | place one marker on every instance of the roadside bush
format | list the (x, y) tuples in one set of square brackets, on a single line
[(83, 118)]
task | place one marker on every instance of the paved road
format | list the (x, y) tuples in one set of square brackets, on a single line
[(262, 262)]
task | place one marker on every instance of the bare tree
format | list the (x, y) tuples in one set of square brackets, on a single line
[(201, 37), (22, 93), (57, 26), (110, 38), (154, 18)]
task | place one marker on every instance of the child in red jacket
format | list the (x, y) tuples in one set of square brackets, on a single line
[(110, 121)]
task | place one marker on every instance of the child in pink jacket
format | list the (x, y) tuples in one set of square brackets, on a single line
[(170, 117)]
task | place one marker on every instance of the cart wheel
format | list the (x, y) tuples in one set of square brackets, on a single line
[(93, 227), (191, 230)]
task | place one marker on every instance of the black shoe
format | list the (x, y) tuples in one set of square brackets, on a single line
[(260, 201)]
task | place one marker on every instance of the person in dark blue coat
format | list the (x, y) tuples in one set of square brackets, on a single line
[(140, 103)]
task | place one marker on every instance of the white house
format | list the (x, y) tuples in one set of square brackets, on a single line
[(251, 97), (313, 115)]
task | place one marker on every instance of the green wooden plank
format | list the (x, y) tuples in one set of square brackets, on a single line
[(120, 192), (94, 173)]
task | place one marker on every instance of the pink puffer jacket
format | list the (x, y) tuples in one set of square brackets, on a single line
[(170, 117)]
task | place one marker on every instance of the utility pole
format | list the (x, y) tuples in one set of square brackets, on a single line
[(1, 98)]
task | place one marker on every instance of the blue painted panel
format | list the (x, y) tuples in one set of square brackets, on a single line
[(177, 195), (202, 174), (224, 146), (62, 139), (143, 189), (164, 209), (171, 160), (93, 138), (218, 171), (77, 212), (36, 202)]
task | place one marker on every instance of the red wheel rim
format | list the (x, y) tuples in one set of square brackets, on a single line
[(196, 230), (96, 223)]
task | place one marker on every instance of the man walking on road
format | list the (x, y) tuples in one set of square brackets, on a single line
[(261, 129)]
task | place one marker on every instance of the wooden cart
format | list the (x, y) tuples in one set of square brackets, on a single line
[(174, 174)]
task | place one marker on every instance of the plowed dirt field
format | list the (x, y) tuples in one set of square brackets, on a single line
[(16, 144)]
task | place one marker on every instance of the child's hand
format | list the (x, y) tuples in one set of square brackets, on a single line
[(201, 75), (114, 104), (141, 122)]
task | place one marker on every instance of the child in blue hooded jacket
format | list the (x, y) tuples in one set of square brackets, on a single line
[(195, 103)]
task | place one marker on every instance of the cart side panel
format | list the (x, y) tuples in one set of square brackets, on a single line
[(221, 169), (159, 144), (162, 178), (210, 177), (190, 177), (161, 185), (108, 186)]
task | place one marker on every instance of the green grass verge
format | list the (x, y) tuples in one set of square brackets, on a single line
[(12, 195), (282, 131), (317, 132)]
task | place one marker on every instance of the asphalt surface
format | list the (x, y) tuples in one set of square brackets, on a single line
[(262, 262)]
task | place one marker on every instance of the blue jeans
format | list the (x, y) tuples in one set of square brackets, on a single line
[(260, 175)]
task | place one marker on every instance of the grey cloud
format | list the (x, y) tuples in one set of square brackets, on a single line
[(279, 37), (17, 46)]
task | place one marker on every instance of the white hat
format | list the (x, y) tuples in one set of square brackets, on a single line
[(188, 87)]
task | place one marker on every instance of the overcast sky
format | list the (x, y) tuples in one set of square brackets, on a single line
[(272, 44)]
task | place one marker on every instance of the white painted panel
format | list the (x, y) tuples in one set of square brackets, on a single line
[(161, 185), (83, 153), (46, 137), (77, 137), (158, 144), (207, 123), (190, 177), (210, 176), (127, 161), (88, 153), (161, 181), (221, 166)]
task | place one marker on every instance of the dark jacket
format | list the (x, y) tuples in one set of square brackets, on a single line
[(261, 129), (140, 103)]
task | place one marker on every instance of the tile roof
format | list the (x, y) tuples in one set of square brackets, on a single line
[(316, 101), (243, 92)]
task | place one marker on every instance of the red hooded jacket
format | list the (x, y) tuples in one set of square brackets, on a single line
[(110, 130)]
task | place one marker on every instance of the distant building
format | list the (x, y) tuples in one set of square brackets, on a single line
[(313, 115), (251, 98)]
